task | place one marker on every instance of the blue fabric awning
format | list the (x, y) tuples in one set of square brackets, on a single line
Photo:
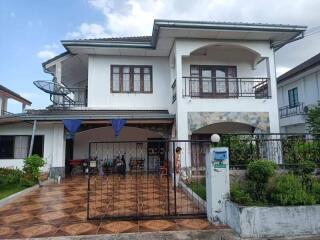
[(117, 125), (72, 125)]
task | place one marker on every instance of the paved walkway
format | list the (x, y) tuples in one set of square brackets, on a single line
[(60, 210)]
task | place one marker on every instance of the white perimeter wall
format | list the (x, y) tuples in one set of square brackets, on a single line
[(99, 92), (54, 144)]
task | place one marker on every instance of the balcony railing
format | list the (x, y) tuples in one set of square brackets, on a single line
[(76, 97), (288, 111), (4, 113), (62, 96), (214, 87)]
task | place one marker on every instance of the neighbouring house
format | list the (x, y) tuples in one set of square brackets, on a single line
[(298, 90), (10, 143), (187, 80)]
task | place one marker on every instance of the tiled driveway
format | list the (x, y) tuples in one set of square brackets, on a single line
[(60, 210)]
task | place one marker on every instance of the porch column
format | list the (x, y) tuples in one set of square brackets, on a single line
[(274, 113), (58, 151), (182, 116), (3, 104), (58, 76), (0, 105)]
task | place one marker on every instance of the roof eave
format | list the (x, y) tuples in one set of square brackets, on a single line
[(229, 26), (83, 43)]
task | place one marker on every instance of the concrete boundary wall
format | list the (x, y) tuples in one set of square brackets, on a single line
[(254, 222)]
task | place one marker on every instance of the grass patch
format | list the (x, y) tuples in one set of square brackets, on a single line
[(199, 187), (10, 189)]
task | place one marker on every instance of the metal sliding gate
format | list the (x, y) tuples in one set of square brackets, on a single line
[(146, 179)]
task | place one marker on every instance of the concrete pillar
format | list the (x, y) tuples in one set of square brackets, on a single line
[(217, 183), (58, 75), (274, 113), (1, 105), (58, 151), (182, 118), (4, 104)]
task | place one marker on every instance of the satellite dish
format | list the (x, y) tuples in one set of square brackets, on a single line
[(52, 88)]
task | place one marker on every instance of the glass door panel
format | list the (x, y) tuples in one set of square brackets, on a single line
[(220, 83), (206, 80)]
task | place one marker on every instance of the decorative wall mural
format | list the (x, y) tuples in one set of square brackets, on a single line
[(197, 120)]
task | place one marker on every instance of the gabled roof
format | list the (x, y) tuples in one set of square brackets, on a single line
[(150, 41), (306, 65), (121, 39), (14, 95)]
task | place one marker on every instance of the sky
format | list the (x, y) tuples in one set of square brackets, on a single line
[(31, 30)]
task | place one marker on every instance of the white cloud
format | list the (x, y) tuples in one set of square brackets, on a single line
[(87, 30), (135, 17), (46, 54), (48, 51)]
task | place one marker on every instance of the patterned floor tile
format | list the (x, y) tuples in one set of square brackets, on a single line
[(61, 210), (157, 225), (80, 228), (16, 218), (6, 232), (120, 227), (196, 224), (38, 231)]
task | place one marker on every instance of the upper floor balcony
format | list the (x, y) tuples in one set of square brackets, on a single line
[(62, 96), (225, 87), (289, 111)]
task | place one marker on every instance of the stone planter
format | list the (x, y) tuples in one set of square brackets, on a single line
[(273, 221)]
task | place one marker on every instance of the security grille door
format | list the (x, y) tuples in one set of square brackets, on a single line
[(136, 180)]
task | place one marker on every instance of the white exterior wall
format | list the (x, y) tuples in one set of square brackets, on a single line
[(99, 92), (185, 105), (183, 48), (308, 84), (54, 143)]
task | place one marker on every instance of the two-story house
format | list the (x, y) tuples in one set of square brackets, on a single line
[(187, 80), (298, 90)]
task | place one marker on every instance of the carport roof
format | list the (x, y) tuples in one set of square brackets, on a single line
[(60, 114)]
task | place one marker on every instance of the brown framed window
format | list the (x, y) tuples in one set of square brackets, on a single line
[(207, 80), (131, 79)]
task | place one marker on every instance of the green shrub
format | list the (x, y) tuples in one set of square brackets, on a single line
[(258, 173), (32, 167), (27, 181), (260, 170), (288, 190), (10, 176), (240, 195), (315, 189), (242, 149), (298, 149), (305, 168)]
